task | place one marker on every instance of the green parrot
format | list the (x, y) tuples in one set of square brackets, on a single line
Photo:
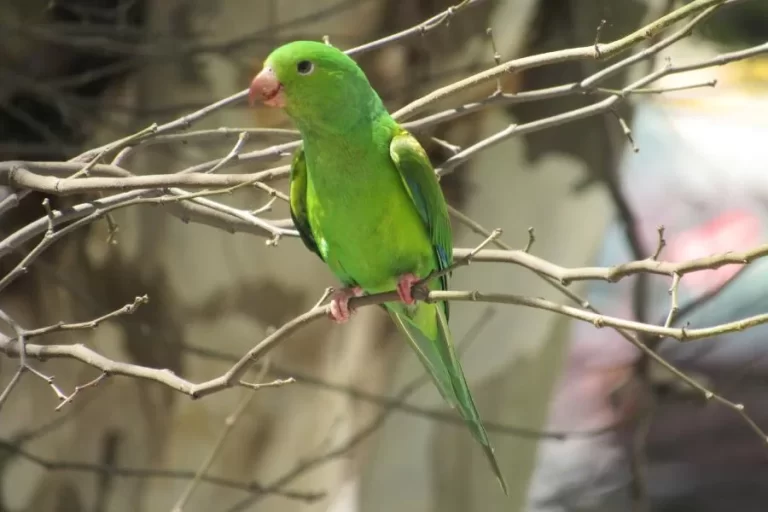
[(365, 199)]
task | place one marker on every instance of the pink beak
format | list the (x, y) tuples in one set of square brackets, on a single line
[(266, 88)]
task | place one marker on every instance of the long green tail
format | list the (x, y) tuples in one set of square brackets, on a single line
[(426, 328)]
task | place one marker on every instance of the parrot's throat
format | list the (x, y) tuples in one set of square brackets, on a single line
[(329, 125), (331, 120), (339, 153)]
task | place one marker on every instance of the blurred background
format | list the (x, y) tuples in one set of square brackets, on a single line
[(580, 421)]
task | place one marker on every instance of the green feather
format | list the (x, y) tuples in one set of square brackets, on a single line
[(365, 199), (427, 331), (298, 194), (415, 169)]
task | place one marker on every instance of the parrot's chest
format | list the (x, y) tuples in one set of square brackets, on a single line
[(368, 229)]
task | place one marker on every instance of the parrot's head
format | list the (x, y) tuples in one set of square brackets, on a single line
[(315, 83)]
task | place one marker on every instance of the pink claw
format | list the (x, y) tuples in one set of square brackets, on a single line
[(340, 312), (404, 285)]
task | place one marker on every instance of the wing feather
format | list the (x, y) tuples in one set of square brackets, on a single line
[(298, 201), (420, 181)]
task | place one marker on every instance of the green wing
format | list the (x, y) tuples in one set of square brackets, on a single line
[(421, 183), (300, 214), (426, 326), (298, 201)]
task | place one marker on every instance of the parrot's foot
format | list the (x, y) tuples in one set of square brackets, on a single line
[(340, 311), (404, 285)]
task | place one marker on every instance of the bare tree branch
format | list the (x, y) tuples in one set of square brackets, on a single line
[(617, 273), (232, 376), (598, 51), (170, 474)]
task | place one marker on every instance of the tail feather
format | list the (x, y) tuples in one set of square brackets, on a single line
[(426, 328)]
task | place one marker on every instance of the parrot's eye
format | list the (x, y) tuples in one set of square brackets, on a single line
[(304, 67)]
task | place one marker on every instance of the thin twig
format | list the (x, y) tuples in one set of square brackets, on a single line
[(326, 293), (232, 155), (674, 306), (12, 384), (92, 383), (128, 309), (661, 90), (271, 384), (229, 423), (531, 240), (661, 244), (119, 144), (625, 129)]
